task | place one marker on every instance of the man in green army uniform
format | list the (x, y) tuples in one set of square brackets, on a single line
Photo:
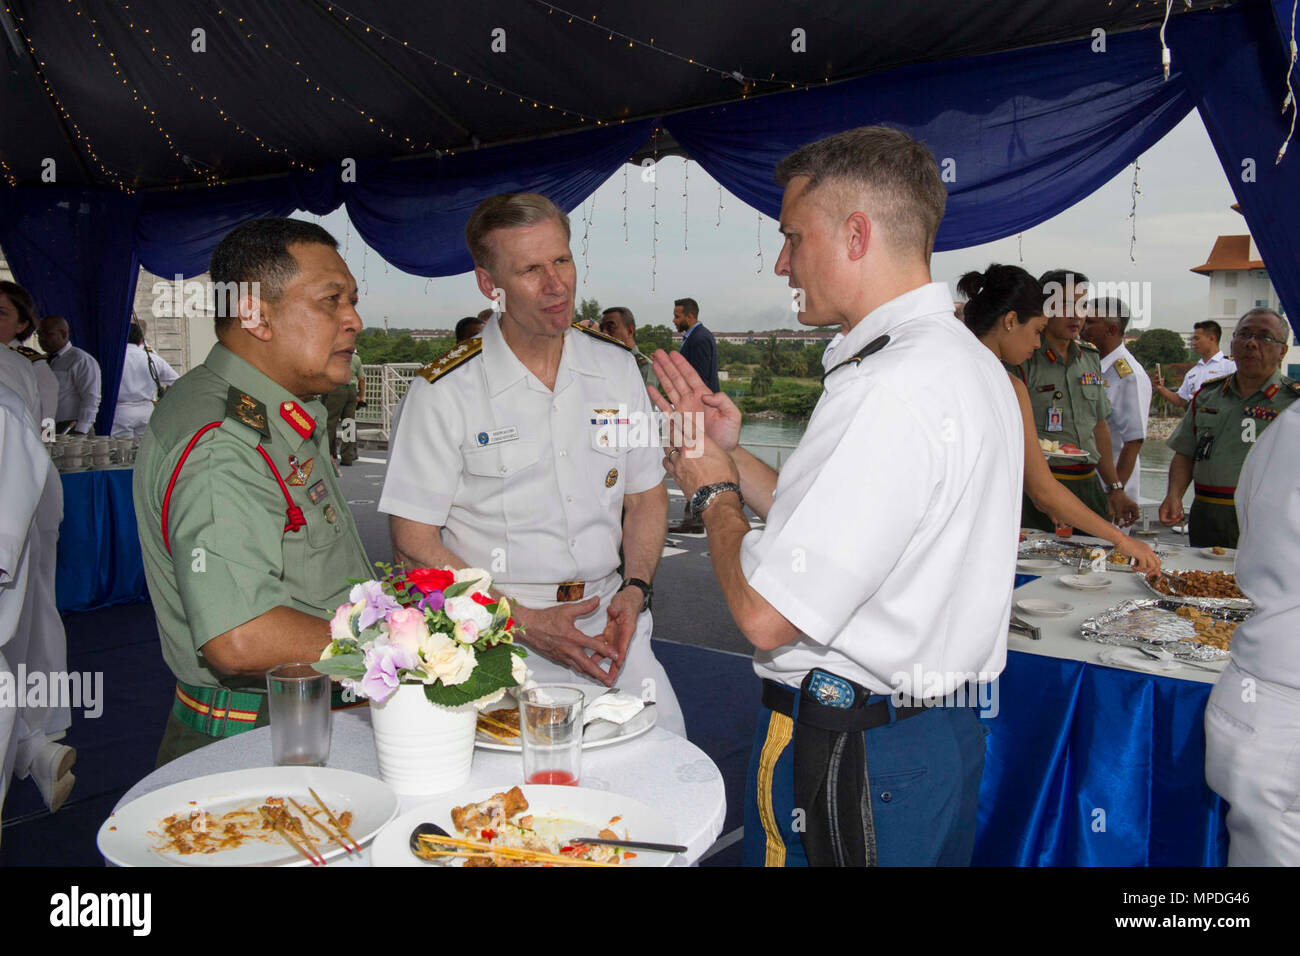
[(1068, 395), (617, 322), (341, 408), (1225, 417), (247, 539)]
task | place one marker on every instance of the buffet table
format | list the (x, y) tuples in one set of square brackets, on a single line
[(1094, 764), (99, 560), (660, 769)]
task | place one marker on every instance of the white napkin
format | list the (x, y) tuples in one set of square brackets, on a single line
[(1136, 660), (617, 707)]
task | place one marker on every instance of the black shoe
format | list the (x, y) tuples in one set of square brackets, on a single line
[(346, 464)]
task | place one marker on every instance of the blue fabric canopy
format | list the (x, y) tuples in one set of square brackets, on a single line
[(1020, 136)]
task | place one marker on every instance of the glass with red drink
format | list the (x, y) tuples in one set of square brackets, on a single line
[(550, 730)]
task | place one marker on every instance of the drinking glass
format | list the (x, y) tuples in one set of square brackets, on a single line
[(299, 707), (550, 727)]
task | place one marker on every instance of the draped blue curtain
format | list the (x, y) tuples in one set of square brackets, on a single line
[(1020, 136)]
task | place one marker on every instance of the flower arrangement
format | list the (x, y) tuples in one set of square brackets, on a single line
[(432, 626)]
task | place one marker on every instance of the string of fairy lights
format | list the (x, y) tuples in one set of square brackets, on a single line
[(1290, 101), (1134, 192), (210, 99)]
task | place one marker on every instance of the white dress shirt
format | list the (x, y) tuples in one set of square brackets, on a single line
[(1128, 388), (16, 371), (514, 472), (891, 540), (79, 386), (1217, 366), (136, 395)]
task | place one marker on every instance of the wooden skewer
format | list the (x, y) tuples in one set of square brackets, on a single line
[(510, 853), (320, 826), (496, 723), (334, 820), (289, 838)]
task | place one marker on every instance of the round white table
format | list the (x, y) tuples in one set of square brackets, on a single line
[(660, 769)]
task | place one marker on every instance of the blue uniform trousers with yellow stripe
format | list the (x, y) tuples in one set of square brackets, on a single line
[(925, 777)]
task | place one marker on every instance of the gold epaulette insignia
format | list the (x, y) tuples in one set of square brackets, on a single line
[(602, 335), (461, 353)]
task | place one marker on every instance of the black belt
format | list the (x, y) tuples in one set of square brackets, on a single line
[(858, 716)]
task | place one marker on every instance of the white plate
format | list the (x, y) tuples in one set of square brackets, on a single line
[(1037, 565), (597, 734), (1044, 607), (124, 837), (588, 810), (1086, 582), (1229, 554), (1075, 456)]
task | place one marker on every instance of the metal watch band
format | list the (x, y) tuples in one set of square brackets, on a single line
[(705, 496), (647, 590)]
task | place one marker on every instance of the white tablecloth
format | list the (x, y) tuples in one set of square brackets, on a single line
[(1061, 637), (660, 769)]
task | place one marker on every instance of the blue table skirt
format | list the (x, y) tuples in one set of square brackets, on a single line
[(1090, 765), (99, 559)]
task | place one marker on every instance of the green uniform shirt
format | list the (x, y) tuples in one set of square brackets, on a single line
[(1223, 424), (646, 368), (1075, 386), (231, 559), (356, 370)]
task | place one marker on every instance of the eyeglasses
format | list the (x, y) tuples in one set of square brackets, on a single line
[(1262, 337)]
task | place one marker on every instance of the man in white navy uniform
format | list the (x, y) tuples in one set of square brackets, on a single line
[(878, 593), (1252, 720), (1212, 364), (502, 460), (145, 375), (1128, 388)]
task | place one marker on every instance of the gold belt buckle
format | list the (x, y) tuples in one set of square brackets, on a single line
[(570, 590)]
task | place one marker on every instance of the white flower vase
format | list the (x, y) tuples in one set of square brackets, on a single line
[(422, 747)]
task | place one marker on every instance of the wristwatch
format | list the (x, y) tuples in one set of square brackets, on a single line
[(1113, 487), (704, 496), (646, 588)]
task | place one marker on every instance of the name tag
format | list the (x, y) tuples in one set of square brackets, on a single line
[(1055, 419), (497, 435)]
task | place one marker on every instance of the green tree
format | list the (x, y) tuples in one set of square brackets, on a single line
[(651, 337), (761, 383), (1161, 346), (588, 309)]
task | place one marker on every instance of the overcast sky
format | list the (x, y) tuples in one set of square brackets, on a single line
[(1184, 204)]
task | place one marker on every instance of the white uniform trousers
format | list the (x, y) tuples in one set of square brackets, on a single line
[(642, 674), (131, 418), (1252, 760)]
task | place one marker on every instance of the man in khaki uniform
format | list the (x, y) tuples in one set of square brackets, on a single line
[(1220, 428), (617, 322), (341, 408), (1068, 395), (247, 539)]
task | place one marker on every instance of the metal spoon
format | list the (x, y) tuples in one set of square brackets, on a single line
[(431, 829)]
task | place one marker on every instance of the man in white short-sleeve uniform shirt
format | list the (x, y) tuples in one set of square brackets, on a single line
[(888, 557), (1252, 720), (1128, 388), (504, 459)]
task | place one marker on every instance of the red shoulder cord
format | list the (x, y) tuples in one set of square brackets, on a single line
[(293, 514)]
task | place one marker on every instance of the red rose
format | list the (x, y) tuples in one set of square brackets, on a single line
[(478, 597), (429, 580), (510, 624)]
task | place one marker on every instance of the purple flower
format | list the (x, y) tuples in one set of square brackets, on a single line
[(383, 661), (431, 602), (378, 605)]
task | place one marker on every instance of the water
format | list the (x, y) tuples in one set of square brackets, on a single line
[(1156, 454)]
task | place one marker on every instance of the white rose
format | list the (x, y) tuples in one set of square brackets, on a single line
[(480, 579), (448, 661), (463, 608), (491, 698), (341, 623), (518, 669)]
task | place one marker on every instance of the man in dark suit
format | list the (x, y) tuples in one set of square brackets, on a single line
[(700, 349), (698, 346)]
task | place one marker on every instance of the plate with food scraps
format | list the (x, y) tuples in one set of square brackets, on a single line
[(1085, 582), (1217, 553), (221, 819), (1201, 635), (1044, 607), (628, 718), (536, 819)]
